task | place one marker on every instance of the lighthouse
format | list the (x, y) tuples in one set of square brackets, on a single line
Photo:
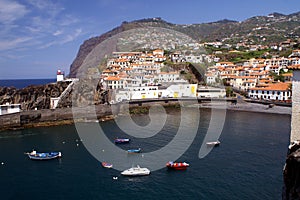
[(59, 75)]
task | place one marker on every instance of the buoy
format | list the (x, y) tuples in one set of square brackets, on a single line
[(63, 142), (2, 163), (115, 177), (77, 144)]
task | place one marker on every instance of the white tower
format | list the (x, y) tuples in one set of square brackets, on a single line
[(59, 75)]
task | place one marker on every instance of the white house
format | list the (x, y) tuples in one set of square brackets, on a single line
[(211, 92), (9, 108), (168, 76), (194, 59), (276, 92)]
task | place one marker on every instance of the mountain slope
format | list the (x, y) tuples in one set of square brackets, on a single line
[(273, 28)]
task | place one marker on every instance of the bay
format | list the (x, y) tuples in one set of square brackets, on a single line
[(247, 165)]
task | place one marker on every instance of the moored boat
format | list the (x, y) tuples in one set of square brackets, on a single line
[(134, 150), (122, 140), (107, 165), (177, 165), (43, 156), (215, 143), (136, 171)]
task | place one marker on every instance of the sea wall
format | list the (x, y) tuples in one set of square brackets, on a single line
[(48, 117)]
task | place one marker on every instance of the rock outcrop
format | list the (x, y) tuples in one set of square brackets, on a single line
[(32, 97), (291, 174), (38, 97)]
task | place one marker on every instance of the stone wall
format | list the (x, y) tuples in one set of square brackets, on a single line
[(47, 117), (295, 124)]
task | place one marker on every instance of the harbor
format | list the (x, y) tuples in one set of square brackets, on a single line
[(227, 171)]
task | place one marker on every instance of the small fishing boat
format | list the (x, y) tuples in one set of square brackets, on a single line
[(43, 156), (136, 171), (177, 165), (216, 143), (106, 165), (134, 150), (122, 140)]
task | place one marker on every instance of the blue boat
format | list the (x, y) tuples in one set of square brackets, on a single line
[(43, 156), (122, 140), (134, 150)]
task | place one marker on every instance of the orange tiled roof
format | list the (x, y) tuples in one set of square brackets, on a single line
[(274, 87), (112, 78), (294, 67), (246, 77)]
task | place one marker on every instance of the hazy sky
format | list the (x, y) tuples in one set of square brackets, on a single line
[(39, 36)]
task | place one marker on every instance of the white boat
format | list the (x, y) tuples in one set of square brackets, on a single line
[(215, 143), (136, 171)]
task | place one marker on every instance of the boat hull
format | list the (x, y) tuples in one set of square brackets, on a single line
[(177, 166), (106, 165), (134, 150), (216, 143), (136, 171), (44, 156), (121, 141)]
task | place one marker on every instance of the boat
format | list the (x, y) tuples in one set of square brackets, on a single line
[(43, 156), (107, 165), (122, 140), (136, 171), (177, 165), (215, 143), (134, 150)]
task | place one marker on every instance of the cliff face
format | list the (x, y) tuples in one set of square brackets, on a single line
[(91, 43), (291, 174), (84, 92), (32, 97)]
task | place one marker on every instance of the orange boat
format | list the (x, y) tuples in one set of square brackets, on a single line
[(175, 165)]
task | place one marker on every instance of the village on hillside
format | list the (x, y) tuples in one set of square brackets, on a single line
[(141, 75)]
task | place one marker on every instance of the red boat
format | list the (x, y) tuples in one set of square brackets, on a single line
[(175, 165)]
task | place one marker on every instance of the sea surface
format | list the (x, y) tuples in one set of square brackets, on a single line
[(246, 166), (21, 83)]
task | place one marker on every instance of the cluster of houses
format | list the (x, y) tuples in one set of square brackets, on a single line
[(256, 77), (139, 75), (136, 69)]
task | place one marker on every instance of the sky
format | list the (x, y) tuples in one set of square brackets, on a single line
[(38, 37)]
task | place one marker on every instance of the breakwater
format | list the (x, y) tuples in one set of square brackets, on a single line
[(50, 117)]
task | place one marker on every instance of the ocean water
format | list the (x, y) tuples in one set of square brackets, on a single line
[(21, 83), (246, 166)]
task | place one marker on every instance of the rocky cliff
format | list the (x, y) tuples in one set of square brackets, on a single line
[(291, 174), (38, 97), (31, 97)]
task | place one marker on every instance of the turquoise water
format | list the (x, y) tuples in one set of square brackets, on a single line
[(247, 165)]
